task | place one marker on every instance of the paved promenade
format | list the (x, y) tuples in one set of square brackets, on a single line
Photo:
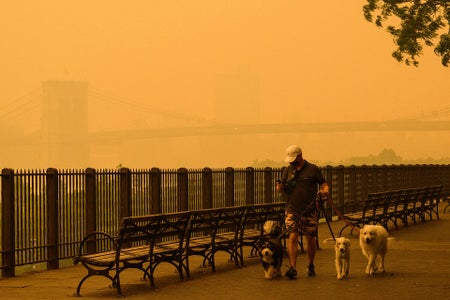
[(417, 264)]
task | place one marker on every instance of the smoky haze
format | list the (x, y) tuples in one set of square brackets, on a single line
[(103, 84)]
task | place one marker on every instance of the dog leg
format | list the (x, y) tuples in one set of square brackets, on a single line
[(347, 266), (370, 269), (338, 269), (381, 264), (344, 268), (267, 274), (271, 272)]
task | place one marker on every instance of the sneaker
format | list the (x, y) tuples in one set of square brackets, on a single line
[(291, 273), (311, 271)]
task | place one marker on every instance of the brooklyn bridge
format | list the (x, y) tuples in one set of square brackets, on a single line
[(62, 107), (234, 129)]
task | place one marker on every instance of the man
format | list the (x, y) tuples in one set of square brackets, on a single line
[(302, 181)]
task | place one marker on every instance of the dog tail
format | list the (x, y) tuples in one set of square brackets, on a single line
[(328, 240)]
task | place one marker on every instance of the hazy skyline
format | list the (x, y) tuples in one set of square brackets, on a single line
[(315, 62)]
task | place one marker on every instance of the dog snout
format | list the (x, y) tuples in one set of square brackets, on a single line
[(265, 252)]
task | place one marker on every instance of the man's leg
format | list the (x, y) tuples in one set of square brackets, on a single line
[(311, 225), (293, 249), (312, 248), (292, 246)]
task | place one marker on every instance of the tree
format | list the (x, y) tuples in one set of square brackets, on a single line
[(413, 25)]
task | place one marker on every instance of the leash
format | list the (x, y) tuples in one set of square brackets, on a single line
[(320, 201), (341, 216), (298, 219)]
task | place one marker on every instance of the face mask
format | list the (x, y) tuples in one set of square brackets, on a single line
[(294, 163)]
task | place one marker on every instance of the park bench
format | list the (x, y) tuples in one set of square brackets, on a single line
[(396, 207), (252, 234), (229, 230), (142, 243), (411, 206), (446, 198), (420, 202), (430, 202), (256, 215), (214, 230), (371, 212), (390, 206)]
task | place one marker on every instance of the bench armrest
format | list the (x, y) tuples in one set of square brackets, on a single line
[(93, 236), (353, 206)]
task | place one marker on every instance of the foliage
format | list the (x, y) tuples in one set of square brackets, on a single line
[(389, 157), (385, 157), (413, 25), (268, 163)]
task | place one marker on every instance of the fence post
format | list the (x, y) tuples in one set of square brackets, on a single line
[(446, 180), (229, 187), (207, 191), (395, 177), (52, 218), (434, 171), (250, 186), (384, 180), (411, 175), (125, 193), (340, 176), (91, 207), (391, 179), (364, 182), (268, 185), (183, 189), (352, 183), (155, 181), (8, 220)]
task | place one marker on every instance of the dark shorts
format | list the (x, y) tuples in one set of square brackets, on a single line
[(306, 225)]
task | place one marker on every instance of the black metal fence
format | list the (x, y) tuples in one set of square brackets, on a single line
[(46, 213)]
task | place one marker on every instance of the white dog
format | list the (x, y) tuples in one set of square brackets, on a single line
[(342, 261), (373, 241)]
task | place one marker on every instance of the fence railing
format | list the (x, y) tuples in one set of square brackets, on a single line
[(46, 213)]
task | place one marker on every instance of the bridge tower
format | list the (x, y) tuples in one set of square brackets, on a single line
[(64, 124)]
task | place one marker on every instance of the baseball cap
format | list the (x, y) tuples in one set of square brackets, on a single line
[(292, 152)]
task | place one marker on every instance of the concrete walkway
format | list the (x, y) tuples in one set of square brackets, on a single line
[(417, 264)]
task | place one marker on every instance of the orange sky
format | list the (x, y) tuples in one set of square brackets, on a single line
[(316, 60)]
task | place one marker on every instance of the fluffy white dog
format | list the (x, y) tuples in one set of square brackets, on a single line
[(373, 241), (342, 261)]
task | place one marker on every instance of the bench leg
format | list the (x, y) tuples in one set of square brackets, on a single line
[(105, 273)]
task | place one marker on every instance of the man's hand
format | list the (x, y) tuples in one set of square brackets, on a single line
[(279, 186), (323, 190), (323, 193)]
